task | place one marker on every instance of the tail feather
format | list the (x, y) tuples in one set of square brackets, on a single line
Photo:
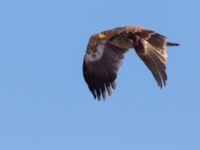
[(172, 44)]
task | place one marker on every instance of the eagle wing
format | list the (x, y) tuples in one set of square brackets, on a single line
[(100, 69), (104, 56), (150, 47)]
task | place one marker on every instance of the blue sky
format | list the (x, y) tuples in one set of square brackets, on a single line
[(45, 103)]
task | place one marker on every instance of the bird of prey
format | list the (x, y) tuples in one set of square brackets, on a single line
[(106, 50)]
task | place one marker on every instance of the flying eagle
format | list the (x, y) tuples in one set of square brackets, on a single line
[(106, 50)]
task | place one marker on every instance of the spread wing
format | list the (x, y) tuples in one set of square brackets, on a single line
[(100, 69), (150, 47)]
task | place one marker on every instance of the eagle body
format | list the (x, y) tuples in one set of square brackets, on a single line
[(106, 50)]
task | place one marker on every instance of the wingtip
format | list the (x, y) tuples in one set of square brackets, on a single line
[(162, 85)]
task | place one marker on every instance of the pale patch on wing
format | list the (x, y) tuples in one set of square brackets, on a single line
[(162, 55), (97, 55)]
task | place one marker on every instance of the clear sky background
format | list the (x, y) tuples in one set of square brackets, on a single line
[(45, 103)]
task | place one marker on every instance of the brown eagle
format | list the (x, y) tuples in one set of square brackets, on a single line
[(106, 50)]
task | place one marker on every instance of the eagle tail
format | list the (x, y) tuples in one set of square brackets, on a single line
[(172, 44)]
